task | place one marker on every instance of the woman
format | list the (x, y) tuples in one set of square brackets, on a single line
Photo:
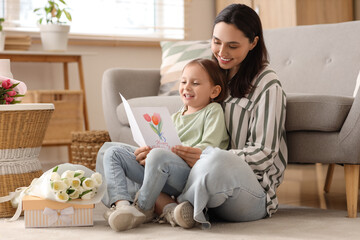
[(240, 184)]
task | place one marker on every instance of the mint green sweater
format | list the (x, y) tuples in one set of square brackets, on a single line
[(203, 128)]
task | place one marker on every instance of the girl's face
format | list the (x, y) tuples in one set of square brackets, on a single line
[(196, 88), (230, 46)]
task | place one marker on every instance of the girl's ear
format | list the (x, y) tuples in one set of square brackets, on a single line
[(215, 91), (253, 44)]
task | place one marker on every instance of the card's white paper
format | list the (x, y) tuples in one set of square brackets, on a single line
[(151, 126)]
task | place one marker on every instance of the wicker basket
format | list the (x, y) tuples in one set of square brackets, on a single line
[(67, 117), (22, 131), (85, 146)]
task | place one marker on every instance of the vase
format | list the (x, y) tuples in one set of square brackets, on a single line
[(54, 37), (22, 131), (2, 41)]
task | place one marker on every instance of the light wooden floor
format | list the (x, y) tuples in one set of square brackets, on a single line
[(303, 185)]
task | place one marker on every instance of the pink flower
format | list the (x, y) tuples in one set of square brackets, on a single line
[(11, 93), (9, 100), (156, 118), (11, 90), (147, 117), (6, 84)]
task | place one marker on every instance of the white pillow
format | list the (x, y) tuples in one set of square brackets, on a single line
[(175, 55)]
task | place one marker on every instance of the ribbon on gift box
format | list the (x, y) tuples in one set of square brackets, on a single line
[(65, 215)]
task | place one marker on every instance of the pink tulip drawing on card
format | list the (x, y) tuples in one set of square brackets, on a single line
[(155, 123)]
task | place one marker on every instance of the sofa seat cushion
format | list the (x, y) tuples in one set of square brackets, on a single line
[(316, 112), (173, 103)]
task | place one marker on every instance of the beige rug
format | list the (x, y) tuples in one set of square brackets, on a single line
[(287, 223)]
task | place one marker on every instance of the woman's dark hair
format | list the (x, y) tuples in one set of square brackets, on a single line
[(216, 75), (247, 21)]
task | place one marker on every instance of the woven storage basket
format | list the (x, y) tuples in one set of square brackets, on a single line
[(67, 117), (22, 131), (85, 146)]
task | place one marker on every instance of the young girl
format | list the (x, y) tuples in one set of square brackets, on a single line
[(200, 123)]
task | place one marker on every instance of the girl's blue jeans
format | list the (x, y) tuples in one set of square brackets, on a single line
[(164, 171)]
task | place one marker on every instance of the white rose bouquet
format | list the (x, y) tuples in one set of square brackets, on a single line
[(74, 184)]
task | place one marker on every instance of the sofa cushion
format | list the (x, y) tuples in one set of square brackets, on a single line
[(316, 112), (175, 55), (173, 103), (307, 62)]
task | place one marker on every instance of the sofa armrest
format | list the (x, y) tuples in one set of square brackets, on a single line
[(131, 83), (349, 137)]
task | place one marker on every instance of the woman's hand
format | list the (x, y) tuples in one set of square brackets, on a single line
[(141, 153), (189, 154)]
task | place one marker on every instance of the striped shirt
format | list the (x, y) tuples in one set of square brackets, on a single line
[(256, 124)]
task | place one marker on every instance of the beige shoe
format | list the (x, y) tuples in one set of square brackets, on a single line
[(150, 214), (181, 215), (125, 217), (184, 215), (108, 212)]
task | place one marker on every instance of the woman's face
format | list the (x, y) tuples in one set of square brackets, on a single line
[(230, 46)]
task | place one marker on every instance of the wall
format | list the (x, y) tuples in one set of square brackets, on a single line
[(96, 60), (357, 9)]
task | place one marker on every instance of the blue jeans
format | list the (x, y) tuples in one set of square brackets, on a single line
[(224, 183), (164, 171)]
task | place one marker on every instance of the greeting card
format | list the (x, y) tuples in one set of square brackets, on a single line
[(151, 126)]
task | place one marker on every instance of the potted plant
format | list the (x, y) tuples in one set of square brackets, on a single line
[(53, 30), (2, 35)]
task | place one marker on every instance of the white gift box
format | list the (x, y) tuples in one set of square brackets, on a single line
[(40, 212)]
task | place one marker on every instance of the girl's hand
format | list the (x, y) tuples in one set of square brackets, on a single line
[(141, 153), (189, 154)]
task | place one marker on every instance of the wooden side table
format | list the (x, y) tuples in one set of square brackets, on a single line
[(53, 57)]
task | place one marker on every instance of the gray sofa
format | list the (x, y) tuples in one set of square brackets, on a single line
[(318, 67)]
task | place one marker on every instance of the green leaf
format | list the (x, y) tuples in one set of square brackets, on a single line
[(58, 15), (14, 85), (82, 179), (85, 192), (154, 129), (68, 15), (70, 191), (55, 169), (77, 174), (160, 126)]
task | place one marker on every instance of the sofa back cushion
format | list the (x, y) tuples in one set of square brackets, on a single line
[(319, 59), (175, 55)]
